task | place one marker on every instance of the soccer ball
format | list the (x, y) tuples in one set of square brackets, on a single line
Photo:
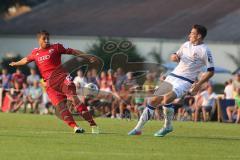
[(90, 90)]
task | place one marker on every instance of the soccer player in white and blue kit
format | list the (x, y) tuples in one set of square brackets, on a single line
[(192, 56)]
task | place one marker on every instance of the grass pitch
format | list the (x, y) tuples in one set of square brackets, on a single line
[(35, 137)]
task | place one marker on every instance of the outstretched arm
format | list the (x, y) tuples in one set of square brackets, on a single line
[(79, 53), (76, 52), (19, 63)]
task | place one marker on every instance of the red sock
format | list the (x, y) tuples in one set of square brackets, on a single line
[(82, 109), (67, 117)]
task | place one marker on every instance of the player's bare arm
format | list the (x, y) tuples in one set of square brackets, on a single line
[(174, 57), (204, 78), (22, 62), (83, 54)]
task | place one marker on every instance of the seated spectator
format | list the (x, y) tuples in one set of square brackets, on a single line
[(25, 91), (138, 101), (130, 81), (18, 76), (228, 90), (208, 98), (125, 101), (32, 77), (105, 100), (45, 100), (236, 83), (6, 79), (232, 111), (80, 81), (91, 78), (35, 96), (111, 80), (15, 97), (120, 77), (187, 109), (149, 83), (103, 79)]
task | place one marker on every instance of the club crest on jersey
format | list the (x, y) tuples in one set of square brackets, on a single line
[(51, 51), (210, 58)]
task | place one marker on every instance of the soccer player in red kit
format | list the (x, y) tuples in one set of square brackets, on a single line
[(58, 86)]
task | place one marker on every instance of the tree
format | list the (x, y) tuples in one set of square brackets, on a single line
[(5, 64), (104, 52), (157, 56), (235, 59)]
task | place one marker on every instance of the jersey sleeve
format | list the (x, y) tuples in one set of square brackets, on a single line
[(31, 57), (63, 50), (208, 60), (180, 50)]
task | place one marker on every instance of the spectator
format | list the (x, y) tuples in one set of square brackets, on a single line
[(95, 77), (18, 76), (208, 98), (236, 83), (125, 101), (237, 102), (25, 91), (187, 109), (105, 99), (15, 97), (149, 83), (231, 111), (6, 79), (80, 81), (111, 80), (120, 77), (45, 100), (103, 79), (35, 97), (139, 101), (91, 77), (129, 81), (32, 77), (228, 90)]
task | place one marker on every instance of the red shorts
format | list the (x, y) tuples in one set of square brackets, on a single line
[(59, 89)]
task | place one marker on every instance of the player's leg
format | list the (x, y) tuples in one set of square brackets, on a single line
[(83, 110), (70, 91), (180, 87), (146, 115), (67, 117), (60, 102), (168, 112)]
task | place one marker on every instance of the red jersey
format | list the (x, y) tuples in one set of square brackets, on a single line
[(18, 77), (49, 59)]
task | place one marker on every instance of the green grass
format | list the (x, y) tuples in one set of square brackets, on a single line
[(35, 137)]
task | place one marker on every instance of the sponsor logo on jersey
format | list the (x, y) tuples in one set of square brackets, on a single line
[(43, 58), (51, 51)]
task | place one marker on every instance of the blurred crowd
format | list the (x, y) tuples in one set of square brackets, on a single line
[(26, 93)]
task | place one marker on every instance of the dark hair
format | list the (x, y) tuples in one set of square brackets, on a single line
[(201, 30), (42, 32)]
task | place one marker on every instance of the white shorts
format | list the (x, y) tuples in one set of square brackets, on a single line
[(180, 86)]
